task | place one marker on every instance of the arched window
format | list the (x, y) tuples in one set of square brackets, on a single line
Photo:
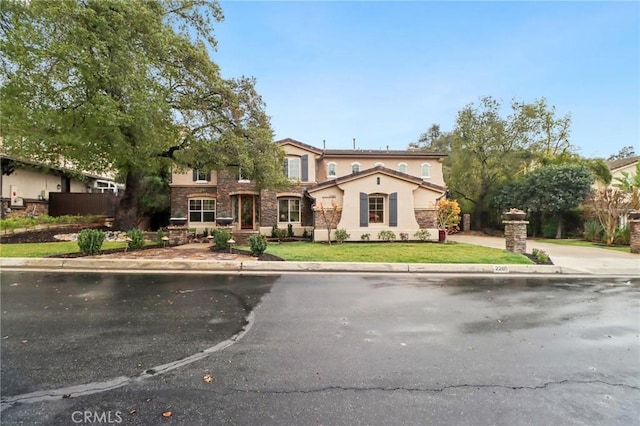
[(355, 167), (402, 167), (332, 170), (379, 164), (426, 170)]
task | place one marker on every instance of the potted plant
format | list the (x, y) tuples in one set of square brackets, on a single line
[(224, 219), (514, 214), (448, 216), (178, 219)]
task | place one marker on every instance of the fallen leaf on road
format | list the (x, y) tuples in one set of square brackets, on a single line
[(25, 341), (133, 411), (207, 378), (167, 414)]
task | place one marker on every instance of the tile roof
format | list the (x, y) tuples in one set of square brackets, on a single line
[(622, 162), (363, 152)]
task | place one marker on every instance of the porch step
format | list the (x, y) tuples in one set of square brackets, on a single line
[(242, 237)]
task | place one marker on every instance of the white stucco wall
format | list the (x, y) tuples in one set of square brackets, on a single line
[(31, 184)]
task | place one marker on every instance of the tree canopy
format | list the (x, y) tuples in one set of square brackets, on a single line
[(127, 86)]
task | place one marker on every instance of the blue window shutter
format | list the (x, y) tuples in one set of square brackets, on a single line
[(393, 209), (209, 177), (304, 166), (364, 209)]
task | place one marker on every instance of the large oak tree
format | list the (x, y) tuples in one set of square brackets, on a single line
[(127, 86)]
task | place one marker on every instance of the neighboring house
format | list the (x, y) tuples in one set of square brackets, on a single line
[(27, 185), (622, 165), (376, 190)]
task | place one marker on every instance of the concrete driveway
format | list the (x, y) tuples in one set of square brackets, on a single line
[(572, 259)]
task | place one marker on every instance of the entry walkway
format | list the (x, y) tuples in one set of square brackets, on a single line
[(572, 259)]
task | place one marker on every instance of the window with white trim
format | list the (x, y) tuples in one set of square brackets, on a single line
[(202, 210), (425, 170), (376, 208), (200, 175), (289, 210), (355, 167), (292, 167), (402, 167), (379, 164), (332, 170)]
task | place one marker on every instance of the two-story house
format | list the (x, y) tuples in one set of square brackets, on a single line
[(375, 189)]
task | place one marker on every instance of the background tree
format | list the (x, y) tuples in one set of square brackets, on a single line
[(625, 152), (127, 86), (549, 190)]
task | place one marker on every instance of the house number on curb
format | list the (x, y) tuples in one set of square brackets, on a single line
[(500, 269)]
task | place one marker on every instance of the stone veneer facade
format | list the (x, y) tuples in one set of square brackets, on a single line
[(180, 197), (515, 235), (634, 225), (426, 219)]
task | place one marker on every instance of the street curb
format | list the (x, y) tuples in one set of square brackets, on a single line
[(160, 265)]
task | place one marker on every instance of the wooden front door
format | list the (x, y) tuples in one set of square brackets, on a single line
[(247, 211)]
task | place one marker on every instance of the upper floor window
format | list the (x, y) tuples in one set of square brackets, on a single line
[(291, 167), (332, 170), (241, 178), (402, 167), (289, 210), (202, 210), (355, 167), (200, 175), (426, 170)]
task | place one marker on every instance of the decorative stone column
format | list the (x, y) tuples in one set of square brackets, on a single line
[(515, 235), (634, 226), (178, 234), (466, 222)]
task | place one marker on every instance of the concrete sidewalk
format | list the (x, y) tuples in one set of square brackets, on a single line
[(571, 259)]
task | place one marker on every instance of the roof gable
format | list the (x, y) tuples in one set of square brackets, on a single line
[(378, 169), (622, 162), (301, 145)]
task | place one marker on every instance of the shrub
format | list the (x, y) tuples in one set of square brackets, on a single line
[(159, 236), (341, 235), (404, 236), (622, 236), (221, 237), (90, 240), (549, 228), (290, 230), (593, 230), (136, 239), (365, 237), (205, 233), (422, 234), (305, 234), (258, 244), (386, 235), (278, 233), (540, 255)]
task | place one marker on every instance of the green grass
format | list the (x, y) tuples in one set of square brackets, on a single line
[(48, 249), (584, 243), (394, 253)]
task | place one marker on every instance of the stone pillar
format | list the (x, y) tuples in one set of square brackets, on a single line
[(634, 227), (178, 234), (466, 222), (515, 235)]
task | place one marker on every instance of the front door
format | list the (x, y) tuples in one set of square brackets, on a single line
[(247, 211)]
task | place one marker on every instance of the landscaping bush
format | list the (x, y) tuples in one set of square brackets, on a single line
[(541, 256), (593, 231), (278, 233), (422, 234), (290, 231), (306, 235), (341, 235), (258, 244), (90, 240), (137, 239), (221, 236), (365, 237), (386, 235), (160, 236), (622, 237), (404, 236), (549, 228)]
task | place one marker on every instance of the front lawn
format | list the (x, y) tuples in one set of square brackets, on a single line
[(394, 253), (48, 249)]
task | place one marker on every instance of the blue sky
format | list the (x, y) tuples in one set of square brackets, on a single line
[(383, 72)]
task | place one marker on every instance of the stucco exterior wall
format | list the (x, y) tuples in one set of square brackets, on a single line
[(299, 152), (186, 178), (32, 184)]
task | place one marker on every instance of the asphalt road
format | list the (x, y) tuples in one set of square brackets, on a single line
[(319, 350)]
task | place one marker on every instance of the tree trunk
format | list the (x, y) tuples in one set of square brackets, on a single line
[(559, 228), (477, 211), (128, 210)]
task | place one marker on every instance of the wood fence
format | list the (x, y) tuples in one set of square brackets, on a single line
[(81, 203)]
